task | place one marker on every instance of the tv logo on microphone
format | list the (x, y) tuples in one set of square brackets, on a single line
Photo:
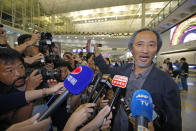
[(144, 99), (144, 102), (120, 81), (71, 79)]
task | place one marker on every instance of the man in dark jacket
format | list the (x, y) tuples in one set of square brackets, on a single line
[(143, 74), (184, 70)]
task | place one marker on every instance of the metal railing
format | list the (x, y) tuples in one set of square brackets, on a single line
[(26, 17), (166, 11)]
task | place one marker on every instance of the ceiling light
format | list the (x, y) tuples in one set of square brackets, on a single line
[(105, 10)]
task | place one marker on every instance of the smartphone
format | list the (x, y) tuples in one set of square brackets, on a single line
[(91, 46)]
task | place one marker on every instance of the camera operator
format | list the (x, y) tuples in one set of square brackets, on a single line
[(31, 53), (26, 41), (13, 79)]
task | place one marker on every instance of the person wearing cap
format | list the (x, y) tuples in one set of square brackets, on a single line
[(145, 44)]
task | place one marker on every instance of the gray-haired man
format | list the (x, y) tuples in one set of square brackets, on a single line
[(143, 74)]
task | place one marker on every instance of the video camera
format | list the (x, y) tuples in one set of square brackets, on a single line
[(45, 47)]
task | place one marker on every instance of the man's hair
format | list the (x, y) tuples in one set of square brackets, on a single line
[(159, 40), (9, 55), (21, 39), (184, 59), (88, 55), (29, 50)]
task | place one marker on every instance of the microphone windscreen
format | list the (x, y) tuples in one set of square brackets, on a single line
[(78, 79), (141, 104)]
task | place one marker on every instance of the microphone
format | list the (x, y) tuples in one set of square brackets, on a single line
[(98, 78), (120, 82), (142, 109), (106, 83), (75, 83)]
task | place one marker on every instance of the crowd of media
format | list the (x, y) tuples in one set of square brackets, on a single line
[(42, 90)]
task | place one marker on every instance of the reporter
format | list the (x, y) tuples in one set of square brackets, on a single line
[(17, 99), (98, 121), (82, 114), (34, 38)]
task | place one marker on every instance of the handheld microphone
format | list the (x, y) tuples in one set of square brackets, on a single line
[(98, 78), (120, 82), (75, 83), (142, 109), (106, 83)]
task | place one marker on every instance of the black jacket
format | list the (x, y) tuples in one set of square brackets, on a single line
[(184, 70), (164, 92)]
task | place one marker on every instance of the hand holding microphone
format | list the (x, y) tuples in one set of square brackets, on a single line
[(80, 115), (75, 83), (99, 121)]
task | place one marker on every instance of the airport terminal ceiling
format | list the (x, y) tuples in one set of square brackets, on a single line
[(85, 15), (102, 20)]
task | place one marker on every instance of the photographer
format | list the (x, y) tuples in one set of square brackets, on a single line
[(13, 79), (25, 42), (17, 99)]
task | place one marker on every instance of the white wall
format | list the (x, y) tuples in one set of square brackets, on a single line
[(190, 56)]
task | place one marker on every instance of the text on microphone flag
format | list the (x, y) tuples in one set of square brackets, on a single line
[(71, 79), (120, 81)]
